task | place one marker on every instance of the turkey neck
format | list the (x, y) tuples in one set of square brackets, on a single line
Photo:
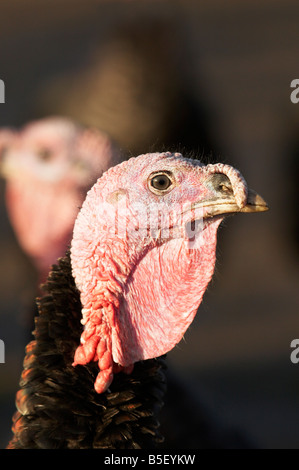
[(57, 404)]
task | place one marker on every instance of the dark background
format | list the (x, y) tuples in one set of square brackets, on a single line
[(209, 77)]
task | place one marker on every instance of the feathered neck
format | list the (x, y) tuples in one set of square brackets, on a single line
[(58, 406)]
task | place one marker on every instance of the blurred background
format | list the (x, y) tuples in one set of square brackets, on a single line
[(206, 77)]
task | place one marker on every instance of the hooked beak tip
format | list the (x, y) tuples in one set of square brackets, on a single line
[(255, 203)]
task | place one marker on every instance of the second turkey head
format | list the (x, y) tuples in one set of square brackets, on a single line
[(49, 165)]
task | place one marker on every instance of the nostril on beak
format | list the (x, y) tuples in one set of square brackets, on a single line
[(233, 179), (222, 184), (226, 188)]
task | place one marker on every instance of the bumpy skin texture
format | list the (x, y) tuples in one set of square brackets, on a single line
[(49, 165), (141, 278), (58, 407), (137, 275)]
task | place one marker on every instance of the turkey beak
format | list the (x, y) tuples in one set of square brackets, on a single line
[(255, 203), (5, 170), (228, 205), (226, 192)]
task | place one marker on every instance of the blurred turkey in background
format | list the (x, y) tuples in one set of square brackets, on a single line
[(49, 165), (205, 78)]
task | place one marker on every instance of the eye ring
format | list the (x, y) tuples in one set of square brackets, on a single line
[(160, 182)]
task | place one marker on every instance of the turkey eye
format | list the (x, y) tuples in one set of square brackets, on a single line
[(44, 154), (161, 182)]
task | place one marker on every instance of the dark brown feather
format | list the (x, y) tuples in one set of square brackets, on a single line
[(57, 404)]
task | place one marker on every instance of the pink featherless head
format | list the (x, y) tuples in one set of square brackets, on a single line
[(143, 253), (49, 165)]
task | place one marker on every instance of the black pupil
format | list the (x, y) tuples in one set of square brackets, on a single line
[(161, 182), (45, 154)]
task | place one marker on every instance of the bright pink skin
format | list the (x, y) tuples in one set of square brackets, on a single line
[(141, 282), (49, 165)]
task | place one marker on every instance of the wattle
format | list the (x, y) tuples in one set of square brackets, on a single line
[(161, 297)]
